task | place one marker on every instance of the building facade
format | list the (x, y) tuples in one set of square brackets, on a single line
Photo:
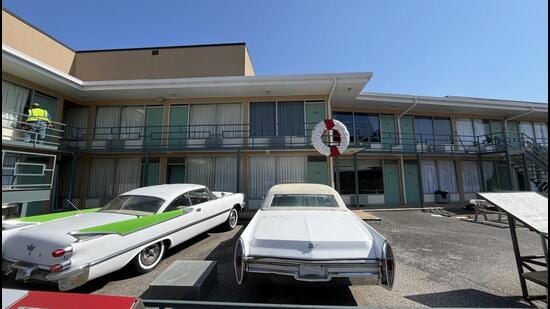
[(199, 114)]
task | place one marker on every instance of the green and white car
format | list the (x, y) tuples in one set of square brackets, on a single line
[(137, 227)]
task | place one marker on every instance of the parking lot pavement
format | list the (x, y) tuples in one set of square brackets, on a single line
[(441, 261)]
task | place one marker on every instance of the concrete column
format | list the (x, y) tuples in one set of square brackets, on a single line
[(163, 165), (84, 181), (459, 179), (91, 125)]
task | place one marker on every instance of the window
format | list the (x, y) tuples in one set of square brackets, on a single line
[(180, 202), (347, 119), (423, 126), (199, 196), (119, 122), (367, 127), (269, 119), (14, 100), (133, 204), (470, 176), (443, 131), (110, 177), (438, 175), (304, 200), (369, 173)]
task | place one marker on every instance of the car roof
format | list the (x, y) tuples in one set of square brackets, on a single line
[(165, 192), (302, 188)]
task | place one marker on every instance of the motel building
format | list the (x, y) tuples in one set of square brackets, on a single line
[(135, 117)]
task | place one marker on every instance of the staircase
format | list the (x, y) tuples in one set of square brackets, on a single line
[(531, 160)]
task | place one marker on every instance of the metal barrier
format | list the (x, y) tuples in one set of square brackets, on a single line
[(15, 130), (27, 171)]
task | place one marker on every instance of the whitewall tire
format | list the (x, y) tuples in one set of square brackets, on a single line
[(232, 219), (148, 258)]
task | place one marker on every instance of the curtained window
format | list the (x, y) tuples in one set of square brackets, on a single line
[(526, 127), (200, 171), (291, 118), (443, 133), (226, 174), (470, 176), (482, 129), (107, 122), (423, 127), (465, 131), (76, 123), (202, 118), (131, 122), (262, 119), (111, 177), (14, 100), (490, 176), (229, 120), (429, 176), (264, 172), (541, 133), (447, 176), (128, 174)]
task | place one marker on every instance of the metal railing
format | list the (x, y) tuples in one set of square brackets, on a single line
[(16, 130), (282, 136), (27, 171)]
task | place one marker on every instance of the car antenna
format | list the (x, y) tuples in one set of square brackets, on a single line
[(74, 206)]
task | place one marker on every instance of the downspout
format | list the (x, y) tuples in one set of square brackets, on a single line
[(401, 143), (516, 117), (328, 115)]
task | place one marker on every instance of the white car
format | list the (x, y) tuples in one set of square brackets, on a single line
[(137, 227), (307, 232)]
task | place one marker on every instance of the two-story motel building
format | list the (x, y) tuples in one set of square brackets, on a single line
[(126, 118)]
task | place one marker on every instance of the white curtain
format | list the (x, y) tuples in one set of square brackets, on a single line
[(101, 178), (465, 131), (480, 130), (447, 175), (202, 118), (541, 133), (429, 176), (226, 174), (261, 176), (291, 169), (200, 171), (228, 119), (131, 122), (470, 176), (128, 174), (107, 121), (76, 122), (14, 99), (526, 127)]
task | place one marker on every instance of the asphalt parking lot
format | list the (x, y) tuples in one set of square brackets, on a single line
[(441, 262)]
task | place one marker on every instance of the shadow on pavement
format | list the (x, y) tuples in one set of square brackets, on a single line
[(468, 298), (271, 289)]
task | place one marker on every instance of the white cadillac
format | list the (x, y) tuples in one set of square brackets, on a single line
[(307, 232), (71, 248)]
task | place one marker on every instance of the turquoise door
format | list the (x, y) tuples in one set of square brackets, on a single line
[(387, 128), (179, 114), (153, 126), (315, 113), (392, 188), (412, 183), (153, 174), (317, 171), (407, 133), (175, 174)]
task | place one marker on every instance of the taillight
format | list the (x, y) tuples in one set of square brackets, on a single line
[(56, 268), (58, 253), (62, 252)]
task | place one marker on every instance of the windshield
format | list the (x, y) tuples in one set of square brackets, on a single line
[(133, 204), (303, 200)]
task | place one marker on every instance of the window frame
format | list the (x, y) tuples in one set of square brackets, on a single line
[(185, 195)]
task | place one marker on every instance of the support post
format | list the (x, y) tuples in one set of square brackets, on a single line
[(511, 171), (337, 173), (526, 185), (238, 170), (481, 173), (357, 204), (420, 180), (517, 255), (145, 170), (72, 180)]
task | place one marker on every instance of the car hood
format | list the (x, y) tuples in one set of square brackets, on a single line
[(309, 234), (49, 236)]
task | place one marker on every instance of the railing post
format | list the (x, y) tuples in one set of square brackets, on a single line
[(72, 181), (238, 170), (356, 174)]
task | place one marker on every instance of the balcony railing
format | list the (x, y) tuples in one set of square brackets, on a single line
[(280, 136), (18, 132)]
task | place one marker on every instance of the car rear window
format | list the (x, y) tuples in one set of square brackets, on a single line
[(303, 200), (133, 203)]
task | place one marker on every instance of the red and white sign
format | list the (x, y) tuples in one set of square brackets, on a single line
[(340, 133)]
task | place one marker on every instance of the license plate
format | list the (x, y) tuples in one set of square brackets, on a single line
[(308, 271)]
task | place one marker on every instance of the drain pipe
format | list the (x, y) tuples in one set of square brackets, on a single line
[(516, 117), (329, 115), (401, 143)]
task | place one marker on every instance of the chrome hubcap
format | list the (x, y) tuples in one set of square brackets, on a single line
[(150, 254), (233, 218)]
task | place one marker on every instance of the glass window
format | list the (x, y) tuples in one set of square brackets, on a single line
[(367, 127), (423, 126), (133, 204), (371, 179), (304, 200), (443, 131), (180, 202), (291, 118), (346, 176), (347, 120), (262, 119), (199, 196)]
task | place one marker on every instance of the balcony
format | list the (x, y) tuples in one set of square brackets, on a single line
[(280, 137), (15, 133)]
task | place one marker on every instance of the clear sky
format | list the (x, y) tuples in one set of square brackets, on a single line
[(480, 48)]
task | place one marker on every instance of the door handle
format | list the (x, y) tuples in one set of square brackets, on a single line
[(198, 210)]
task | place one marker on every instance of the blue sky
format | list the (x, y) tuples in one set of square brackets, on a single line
[(479, 48)]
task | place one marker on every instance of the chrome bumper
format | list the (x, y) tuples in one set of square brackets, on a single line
[(65, 280), (317, 271)]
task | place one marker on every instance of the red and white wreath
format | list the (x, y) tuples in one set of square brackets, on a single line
[(341, 135)]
